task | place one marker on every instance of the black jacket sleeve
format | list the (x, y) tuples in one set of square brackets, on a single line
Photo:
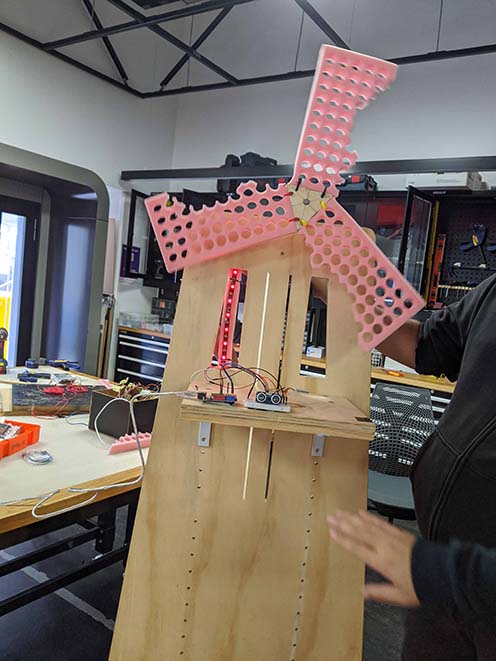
[(457, 577), (442, 337)]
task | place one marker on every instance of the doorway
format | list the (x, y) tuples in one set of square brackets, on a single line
[(18, 259)]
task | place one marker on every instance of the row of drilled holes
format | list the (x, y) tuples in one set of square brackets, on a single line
[(302, 580), (358, 98), (260, 188), (346, 65), (359, 83), (233, 236), (350, 78), (221, 240), (233, 232), (362, 270), (190, 570), (280, 211)]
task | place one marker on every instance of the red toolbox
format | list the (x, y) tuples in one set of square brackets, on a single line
[(28, 435)]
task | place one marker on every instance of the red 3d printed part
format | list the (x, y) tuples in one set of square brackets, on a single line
[(383, 300)]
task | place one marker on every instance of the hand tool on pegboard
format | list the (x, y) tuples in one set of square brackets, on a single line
[(432, 301), (477, 240)]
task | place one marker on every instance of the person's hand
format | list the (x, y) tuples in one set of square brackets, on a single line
[(385, 548)]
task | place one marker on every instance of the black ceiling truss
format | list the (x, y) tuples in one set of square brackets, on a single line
[(68, 60), (319, 20), (196, 45), (168, 36), (142, 21), (154, 23), (106, 41)]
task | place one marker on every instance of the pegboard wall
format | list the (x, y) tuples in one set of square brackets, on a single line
[(456, 220)]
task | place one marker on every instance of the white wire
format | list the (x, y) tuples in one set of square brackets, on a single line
[(41, 502), (114, 399), (96, 490)]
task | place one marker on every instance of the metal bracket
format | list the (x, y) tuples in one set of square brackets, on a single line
[(204, 434), (318, 445)]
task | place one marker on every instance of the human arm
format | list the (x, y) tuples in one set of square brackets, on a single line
[(437, 345), (457, 576), (384, 548), (402, 344)]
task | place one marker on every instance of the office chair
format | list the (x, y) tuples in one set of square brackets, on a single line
[(404, 421)]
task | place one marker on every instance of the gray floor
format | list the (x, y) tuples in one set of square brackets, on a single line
[(76, 624)]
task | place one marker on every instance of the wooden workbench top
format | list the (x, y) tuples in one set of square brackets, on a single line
[(406, 378), (19, 515), (80, 460)]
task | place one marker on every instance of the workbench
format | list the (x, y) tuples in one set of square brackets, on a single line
[(440, 388), (316, 366), (80, 460)]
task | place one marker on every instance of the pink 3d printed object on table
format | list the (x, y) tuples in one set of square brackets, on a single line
[(383, 300), (128, 442)]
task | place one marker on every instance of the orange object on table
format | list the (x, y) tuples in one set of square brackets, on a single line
[(394, 373), (28, 435)]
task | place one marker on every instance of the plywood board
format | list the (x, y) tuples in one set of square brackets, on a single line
[(311, 414), (230, 558)]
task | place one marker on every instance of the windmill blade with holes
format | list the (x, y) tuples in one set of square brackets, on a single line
[(344, 82)]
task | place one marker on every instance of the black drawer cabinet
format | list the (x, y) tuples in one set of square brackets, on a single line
[(141, 356)]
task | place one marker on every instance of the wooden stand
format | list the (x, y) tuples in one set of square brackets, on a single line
[(230, 558)]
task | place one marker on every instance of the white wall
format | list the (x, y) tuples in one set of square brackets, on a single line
[(436, 109), (56, 110), (53, 109)]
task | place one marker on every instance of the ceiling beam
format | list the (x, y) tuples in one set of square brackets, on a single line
[(242, 82), (169, 37), (68, 60), (405, 166), (319, 20), (106, 42), (308, 73), (196, 45), (142, 21), (445, 54)]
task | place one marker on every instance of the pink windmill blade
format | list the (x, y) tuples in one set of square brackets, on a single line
[(344, 82)]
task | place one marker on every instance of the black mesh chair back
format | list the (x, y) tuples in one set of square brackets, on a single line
[(404, 421)]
